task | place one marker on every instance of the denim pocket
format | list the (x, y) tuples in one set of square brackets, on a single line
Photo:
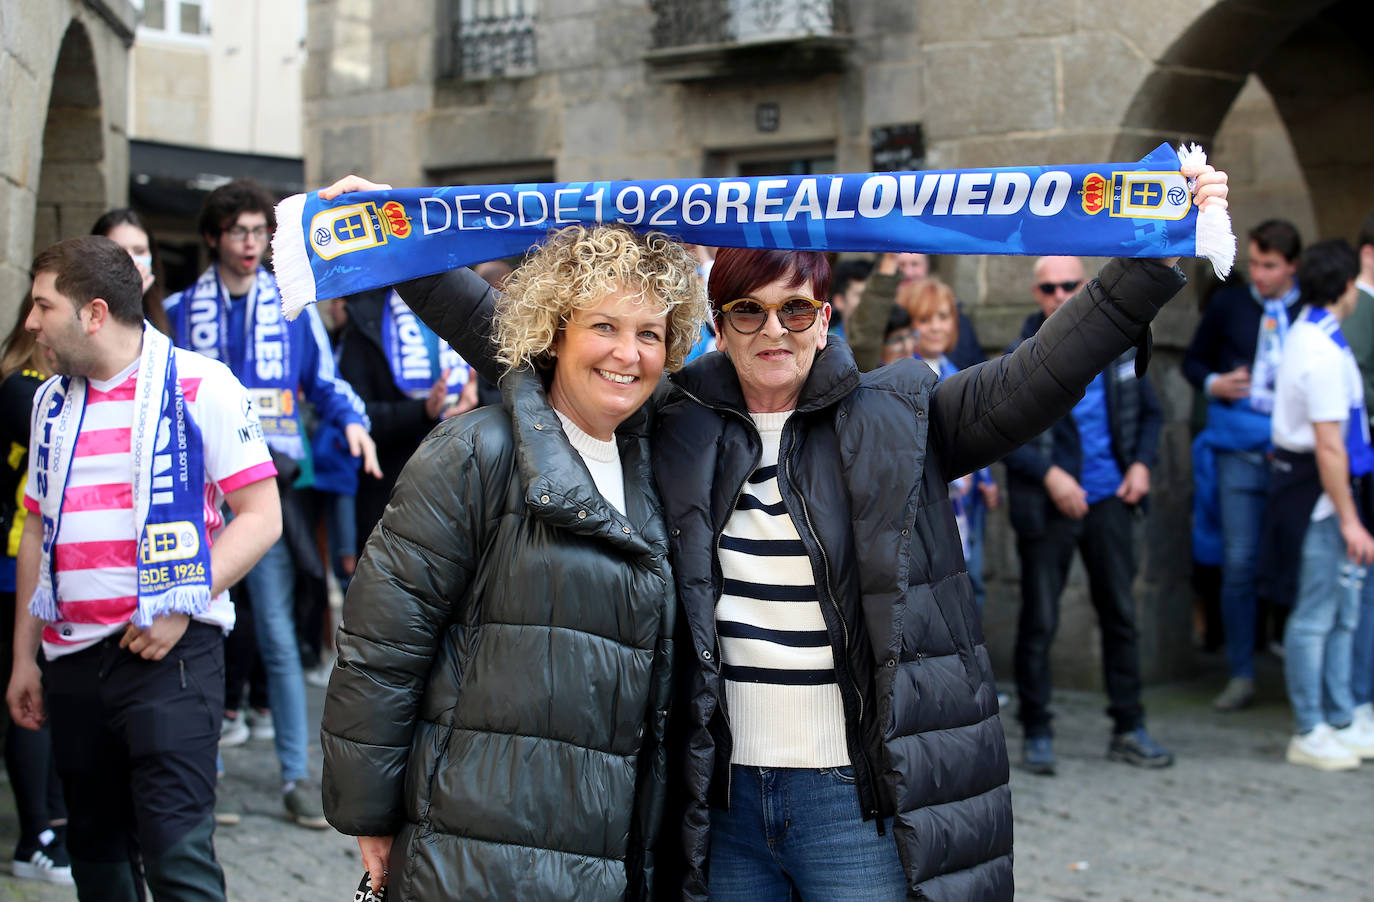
[(843, 775)]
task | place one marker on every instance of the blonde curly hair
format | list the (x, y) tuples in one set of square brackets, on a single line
[(578, 267)]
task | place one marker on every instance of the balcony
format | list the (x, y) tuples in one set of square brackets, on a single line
[(706, 39), (486, 39)]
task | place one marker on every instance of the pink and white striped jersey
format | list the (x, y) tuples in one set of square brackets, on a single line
[(95, 559)]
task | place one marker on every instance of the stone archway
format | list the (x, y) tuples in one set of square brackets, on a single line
[(72, 181), (1307, 54)]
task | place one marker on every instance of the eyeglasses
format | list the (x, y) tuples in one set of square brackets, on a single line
[(747, 316), (901, 339), (1066, 287), (240, 233)]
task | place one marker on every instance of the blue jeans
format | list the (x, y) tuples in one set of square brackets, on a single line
[(1362, 653), (1243, 484), (1317, 640), (272, 584), (342, 532), (797, 833), (977, 524)]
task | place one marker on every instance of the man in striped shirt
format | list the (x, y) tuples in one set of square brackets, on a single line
[(135, 711)]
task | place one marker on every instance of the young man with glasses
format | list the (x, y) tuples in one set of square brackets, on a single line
[(233, 314), (1079, 484)]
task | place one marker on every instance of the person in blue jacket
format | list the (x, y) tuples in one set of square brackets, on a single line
[(233, 314)]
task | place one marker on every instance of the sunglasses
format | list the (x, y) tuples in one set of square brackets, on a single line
[(747, 316), (1066, 287)]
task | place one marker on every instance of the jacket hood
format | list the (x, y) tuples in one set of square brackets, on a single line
[(712, 380)]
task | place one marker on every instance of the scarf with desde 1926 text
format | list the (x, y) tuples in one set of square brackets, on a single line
[(365, 240)]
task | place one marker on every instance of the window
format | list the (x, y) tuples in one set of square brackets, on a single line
[(488, 39), (681, 23), (180, 18), (806, 159)]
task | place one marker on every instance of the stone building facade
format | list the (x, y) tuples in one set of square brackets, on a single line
[(64, 155), (1280, 91)]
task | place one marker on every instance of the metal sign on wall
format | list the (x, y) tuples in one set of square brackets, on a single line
[(897, 148)]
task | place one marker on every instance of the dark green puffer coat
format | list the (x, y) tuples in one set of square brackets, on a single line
[(504, 661)]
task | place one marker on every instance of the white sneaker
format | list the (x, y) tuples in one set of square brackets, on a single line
[(1365, 714), (1358, 738), (259, 724), (48, 863), (233, 732), (1319, 748), (319, 676)]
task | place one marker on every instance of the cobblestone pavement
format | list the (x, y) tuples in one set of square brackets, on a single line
[(1230, 821)]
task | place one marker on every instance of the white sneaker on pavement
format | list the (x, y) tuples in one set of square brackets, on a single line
[(233, 732), (1357, 737), (1365, 714), (259, 725), (1319, 748)]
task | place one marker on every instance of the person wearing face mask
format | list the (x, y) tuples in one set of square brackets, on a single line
[(124, 227), (494, 726)]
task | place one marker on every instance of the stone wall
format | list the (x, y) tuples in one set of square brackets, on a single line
[(63, 145), (1009, 81)]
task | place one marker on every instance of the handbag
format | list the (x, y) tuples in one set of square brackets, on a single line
[(366, 893)]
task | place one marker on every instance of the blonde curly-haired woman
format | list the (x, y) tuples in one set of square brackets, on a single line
[(494, 724)]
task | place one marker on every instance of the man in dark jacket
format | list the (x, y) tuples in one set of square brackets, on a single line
[(1078, 484)]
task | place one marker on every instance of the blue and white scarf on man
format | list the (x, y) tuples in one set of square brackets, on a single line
[(416, 356), (1269, 347), (264, 363), (1357, 442), (167, 482)]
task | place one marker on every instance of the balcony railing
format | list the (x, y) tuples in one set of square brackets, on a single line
[(489, 39), (686, 23), (700, 39)]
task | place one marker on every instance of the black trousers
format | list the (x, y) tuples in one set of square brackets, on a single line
[(1104, 538), (135, 743)]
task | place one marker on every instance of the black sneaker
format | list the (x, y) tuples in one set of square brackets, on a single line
[(43, 858), (1136, 747), (1038, 755)]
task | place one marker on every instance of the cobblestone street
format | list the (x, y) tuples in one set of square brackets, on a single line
[(1230, 821)]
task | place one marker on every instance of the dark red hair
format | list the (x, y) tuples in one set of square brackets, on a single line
[(738, 272)]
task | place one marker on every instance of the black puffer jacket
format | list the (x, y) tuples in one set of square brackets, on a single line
[(868, 463), (504, 668), (864, 469)]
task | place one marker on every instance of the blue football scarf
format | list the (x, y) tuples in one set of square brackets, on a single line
[(368, 240), (167, 482), (1269, 347), (263, 363), (1357, 444), (416, 356)]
